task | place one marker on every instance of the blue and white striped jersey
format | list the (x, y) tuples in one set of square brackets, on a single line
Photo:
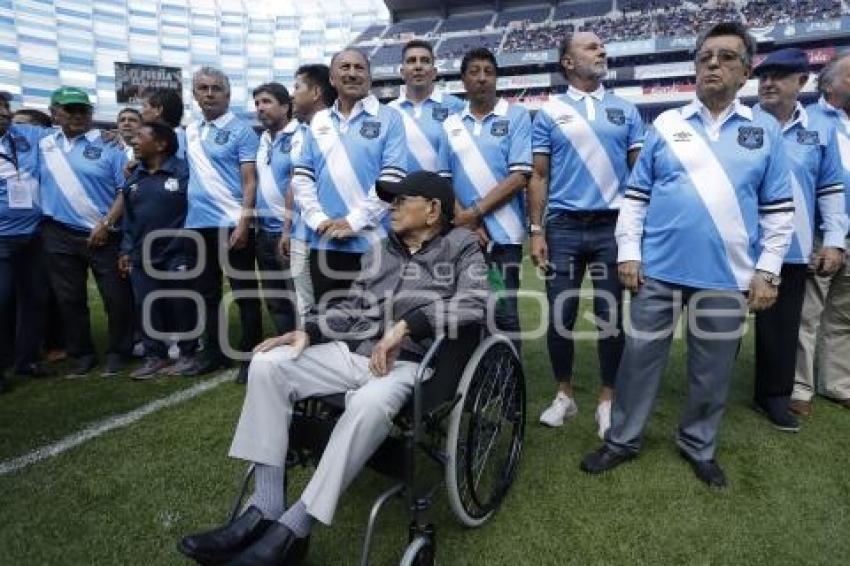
[(79, 178), (817, 177), (334, 175), (215, 151), (19, 160), (478, 155), (588, 137), (423, 127), (299, 227), (841, 121), (274, 168), (709, 201)]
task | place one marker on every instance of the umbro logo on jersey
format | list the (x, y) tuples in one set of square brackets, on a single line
[(806, 137), (616, 116), (456, 131), (563, 119), (92, 152), (500, 128), (322, 130), (370, 130), (682, 136), (439, 113), (222, 136), (750, 137)]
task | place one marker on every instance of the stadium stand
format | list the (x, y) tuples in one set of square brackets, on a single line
[(416, 27), (619, 28), (533, 15), (370, 33), (455, 47), (525, 39), (576, 10), (387, 54), (770, 12), (472, 22)]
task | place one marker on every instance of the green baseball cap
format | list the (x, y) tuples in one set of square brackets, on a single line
[(69, 95)]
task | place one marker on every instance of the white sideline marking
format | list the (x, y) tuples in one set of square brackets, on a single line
[(102, 427)]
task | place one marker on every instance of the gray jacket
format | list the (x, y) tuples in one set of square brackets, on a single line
[(440, 287)]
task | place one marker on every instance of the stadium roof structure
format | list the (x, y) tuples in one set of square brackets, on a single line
[(405, 9)]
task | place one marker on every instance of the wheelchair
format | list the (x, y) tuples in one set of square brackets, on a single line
[(466, 415)]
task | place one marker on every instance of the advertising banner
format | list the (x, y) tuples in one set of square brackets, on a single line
[(132, 79)]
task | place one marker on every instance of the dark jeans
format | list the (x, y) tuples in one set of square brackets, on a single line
[(271, 265), (507, 259), (23, 297), (344, 268), (69, 260), (172, 315), (777, 330), (580, 243), (209, 282)]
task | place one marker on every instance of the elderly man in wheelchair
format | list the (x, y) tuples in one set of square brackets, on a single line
[(413, 285)]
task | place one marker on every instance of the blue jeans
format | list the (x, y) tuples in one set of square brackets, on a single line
[(580, 243)]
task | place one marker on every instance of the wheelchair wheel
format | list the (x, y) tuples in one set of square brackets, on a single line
[(420, 552), (484, 438)]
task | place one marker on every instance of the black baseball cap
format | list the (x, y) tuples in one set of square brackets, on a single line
[(421, 184)]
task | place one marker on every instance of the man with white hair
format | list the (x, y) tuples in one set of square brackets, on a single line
[(222, 151)]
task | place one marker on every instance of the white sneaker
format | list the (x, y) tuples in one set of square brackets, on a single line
[(603, 418), (562, 407)]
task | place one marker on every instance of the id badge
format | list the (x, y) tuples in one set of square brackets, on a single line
[(21, 191)]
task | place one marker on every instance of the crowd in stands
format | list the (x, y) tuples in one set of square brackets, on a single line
[(633, 19)]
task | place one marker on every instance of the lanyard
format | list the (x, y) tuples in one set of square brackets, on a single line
[(13, 159)]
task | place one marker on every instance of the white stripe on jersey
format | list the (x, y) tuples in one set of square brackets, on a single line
[(209, 177), (480, 175), (417, 142), (272, 194), (589, 148), (338, 164), (802, 226), (68, 182), (843, 149), (715, 190)]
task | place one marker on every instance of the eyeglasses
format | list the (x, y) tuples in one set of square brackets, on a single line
[(724, 56)]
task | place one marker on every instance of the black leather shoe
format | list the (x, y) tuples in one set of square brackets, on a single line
[(277, 547), (707, 471), (778, 412), (603, 460), (82, 366), (242, 376), (34, 369), (4, 385), (220, 545)]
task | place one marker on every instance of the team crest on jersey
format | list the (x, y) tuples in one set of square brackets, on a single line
[(807, 137), (370, 130), (171, 185), (616, 116), (500, 128), (21, 144), (439, 113), (750, 137), (92, 152), (286, 145), (222, 136)]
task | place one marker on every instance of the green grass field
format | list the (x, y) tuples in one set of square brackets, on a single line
[(127, 497)]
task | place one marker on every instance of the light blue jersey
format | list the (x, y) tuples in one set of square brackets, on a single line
[(216, 151), (299, 227), (841, 122), (588, 137), (817, 177), (19, 159), (274, 168), (423, 127), (709, 201), (181, 143), (79, 178), (334, 175), (477, 156)]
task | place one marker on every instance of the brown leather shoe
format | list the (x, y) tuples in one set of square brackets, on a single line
[(802, 408)]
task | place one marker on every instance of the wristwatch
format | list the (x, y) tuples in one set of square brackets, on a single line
[(772, 279), (535, 229)]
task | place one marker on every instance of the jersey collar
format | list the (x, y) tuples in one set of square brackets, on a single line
[(220, 122), (577, 94), (501, 109), (290, 128), (698, 108), (368, 104), (436, 96), (90, 136), (833, 109)]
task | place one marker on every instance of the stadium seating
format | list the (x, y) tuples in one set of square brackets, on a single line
[(588, 9), (388, 54), (455, 47), (370, 33), (536, 39), (473, 22), (416, 27), (534, 15)]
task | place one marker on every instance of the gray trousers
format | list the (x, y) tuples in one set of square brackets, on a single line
[(276, 382), (714, 330)]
